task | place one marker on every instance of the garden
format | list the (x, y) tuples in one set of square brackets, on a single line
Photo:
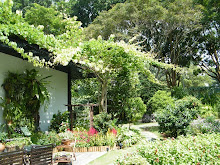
[(131, 68)]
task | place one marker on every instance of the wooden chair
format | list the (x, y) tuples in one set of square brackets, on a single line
[(12, 158), (41, 155)]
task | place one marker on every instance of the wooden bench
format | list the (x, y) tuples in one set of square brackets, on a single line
[(12, 158), (41, 155)]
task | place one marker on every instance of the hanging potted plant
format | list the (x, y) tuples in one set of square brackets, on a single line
[(3, 137)]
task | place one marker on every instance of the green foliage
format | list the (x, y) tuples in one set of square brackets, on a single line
[(57, 120), (207, 111), (148, 88), (40, 138), (201, 149), (179, 92), (14, 25), (209, 38), (217, 108), (195, 77), (24, 94), (208, 125), (159, 101), (103, 122), (128, 137), (51, 20), (138, 21), (208, 95), (132, 159), (86, 10), (23, 5), (135, 109), (3, 137), (20, 142), (174, 120)]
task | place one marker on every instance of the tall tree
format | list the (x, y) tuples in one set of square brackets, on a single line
[(25, 4), (165, 28), (52, 20), (86, 10), (209, 47)]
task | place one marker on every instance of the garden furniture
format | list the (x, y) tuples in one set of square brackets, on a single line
[(41, 155), (66, 153), (12, 158)]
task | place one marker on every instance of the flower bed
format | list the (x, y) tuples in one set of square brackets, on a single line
[(201, 149)]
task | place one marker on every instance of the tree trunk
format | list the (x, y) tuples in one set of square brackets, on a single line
[(172, 78), (103, 99)]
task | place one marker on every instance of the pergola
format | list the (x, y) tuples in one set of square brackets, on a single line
[(72, 110)]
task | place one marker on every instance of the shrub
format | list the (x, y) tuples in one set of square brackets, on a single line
[(41, 138), (174, 120), (103, 122), (128, 137), (135, 109), (207, 111), (208, 125), (58, 119), (179, 92), (217, 106), (159, 101), (132, 159), (3, 137), (20, 142), (201, 149)]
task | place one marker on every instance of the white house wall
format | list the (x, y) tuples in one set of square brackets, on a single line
[(57, 86)]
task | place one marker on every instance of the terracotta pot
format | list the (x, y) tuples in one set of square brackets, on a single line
[(2, 147), (66, 142)]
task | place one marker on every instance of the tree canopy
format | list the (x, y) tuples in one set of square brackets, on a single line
[(173, 30), (103, 58)]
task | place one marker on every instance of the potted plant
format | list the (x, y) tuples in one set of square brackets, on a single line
[(3, 136)]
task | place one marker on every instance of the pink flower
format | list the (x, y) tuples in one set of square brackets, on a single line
[(92, 131), (114, 131)]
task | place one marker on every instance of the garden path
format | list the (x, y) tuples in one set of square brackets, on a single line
[(143, 130), (83, 158)]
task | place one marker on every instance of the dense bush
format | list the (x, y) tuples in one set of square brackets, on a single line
[(58, 119), (207, 111), (19, 142), (208, 125), (135, 109), (217, 107), (179, 92), (174, 120), (201, 149), (132, 159), (41, 138), (128, 137), (103, 122), (159, 101)]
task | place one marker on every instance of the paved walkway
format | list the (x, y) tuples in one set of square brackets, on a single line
[(142, 127), (83, 158)]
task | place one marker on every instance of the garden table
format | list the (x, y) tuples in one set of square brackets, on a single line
[(65, 154)]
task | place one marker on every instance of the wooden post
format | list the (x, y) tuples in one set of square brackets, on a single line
[(91, 116), (69, 100)]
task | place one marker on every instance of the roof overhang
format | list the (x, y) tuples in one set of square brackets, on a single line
[(72, 68)]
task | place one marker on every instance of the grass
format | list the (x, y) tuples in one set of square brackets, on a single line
[(110, 157)]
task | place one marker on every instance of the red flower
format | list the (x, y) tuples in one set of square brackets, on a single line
[(92, 131), (114, 131)]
